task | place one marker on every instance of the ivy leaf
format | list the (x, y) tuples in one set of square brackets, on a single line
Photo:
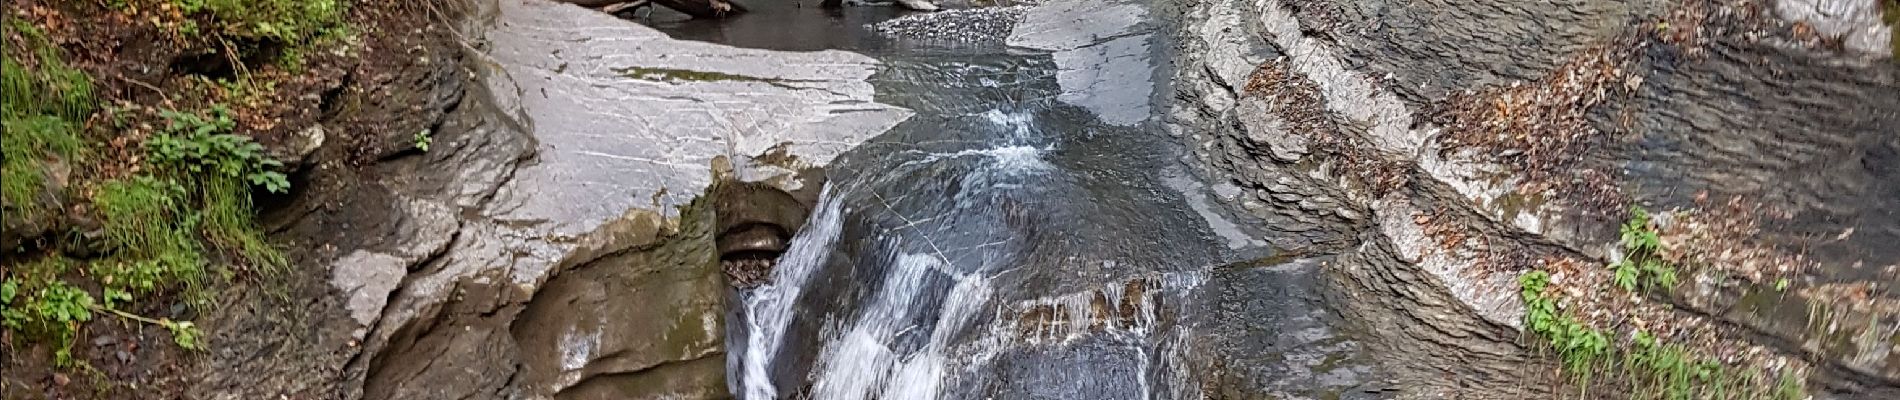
[(7, 290)]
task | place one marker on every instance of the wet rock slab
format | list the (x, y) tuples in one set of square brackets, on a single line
[(1101, 52), (627, 117)]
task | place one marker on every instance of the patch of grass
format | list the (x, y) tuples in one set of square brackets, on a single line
[(229, 221), (1789, 387), (200, 153), (1668, 371), (49, 86), (42, 107), (164, 231), (152, 235), (155, 228), (26, 145)]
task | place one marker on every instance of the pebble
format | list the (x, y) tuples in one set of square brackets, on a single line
[(972, 25), (748, 273)]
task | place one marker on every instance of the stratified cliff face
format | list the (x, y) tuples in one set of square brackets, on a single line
[(1440, 150)]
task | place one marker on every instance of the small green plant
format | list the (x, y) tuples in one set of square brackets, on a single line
[(423, 139), (289, 21), (1642, 266), (1577, 344), (183, 333), (1790, 387), (38, 304), (199, 144), (50, 308)]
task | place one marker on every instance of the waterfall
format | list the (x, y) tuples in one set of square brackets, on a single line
[(769, 308)]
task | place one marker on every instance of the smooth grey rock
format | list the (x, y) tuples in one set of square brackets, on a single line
[(295, 149), (367, 277), (627, 117), (1100, 50)]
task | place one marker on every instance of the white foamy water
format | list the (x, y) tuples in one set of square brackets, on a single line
[(916, 333), (861, 365), (1111, 309), (768, 308)]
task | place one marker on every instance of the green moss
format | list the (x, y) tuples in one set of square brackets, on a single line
[(677, 75), (1512, 204), (1331, 362)]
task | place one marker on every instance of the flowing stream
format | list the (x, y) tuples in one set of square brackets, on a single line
[(1032, 232)]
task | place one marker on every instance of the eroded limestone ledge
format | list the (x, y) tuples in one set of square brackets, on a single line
[(574, 258)]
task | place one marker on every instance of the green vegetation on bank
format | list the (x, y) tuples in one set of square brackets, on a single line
[(1647, 367), (170, 231), (288, 21), (42, 110)]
